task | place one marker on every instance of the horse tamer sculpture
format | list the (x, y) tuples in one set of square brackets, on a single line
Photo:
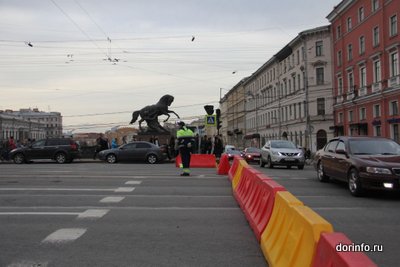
[(150, 114)]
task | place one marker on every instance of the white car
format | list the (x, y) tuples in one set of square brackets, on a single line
[(283, 153)]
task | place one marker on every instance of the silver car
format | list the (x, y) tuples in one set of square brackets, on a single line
[(283, 153)]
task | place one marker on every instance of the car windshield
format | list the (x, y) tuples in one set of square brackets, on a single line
[(282, 144), (374, 147)]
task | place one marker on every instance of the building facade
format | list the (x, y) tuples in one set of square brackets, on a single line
[(52, 121), (290, 96), (19, 128), (366, 44), (233, 116)]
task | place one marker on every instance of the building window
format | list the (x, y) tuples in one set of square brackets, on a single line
[(395, 132), (339, 58), (349, 24), (375, 36), (362, 45), (394, 64), (375, 5), (319, 48), (320, 75), (320, 106), (363, 113), (338, 32), (377, 71), (377, 130), (350, 78), (340, 86), (377, 111), (393, 25), (393, 108), (363, 77), (360, 14), (351, 116), (349, 52), (340, 117)]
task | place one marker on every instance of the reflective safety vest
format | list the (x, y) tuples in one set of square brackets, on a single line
[(185, 136)]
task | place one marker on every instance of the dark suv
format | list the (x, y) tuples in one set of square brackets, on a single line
[(62, 150)]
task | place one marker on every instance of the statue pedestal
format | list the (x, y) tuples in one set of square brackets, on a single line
[(163, 138)]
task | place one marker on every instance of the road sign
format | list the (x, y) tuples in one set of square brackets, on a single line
[(210, 120)]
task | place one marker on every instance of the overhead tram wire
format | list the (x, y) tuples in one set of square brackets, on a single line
[(79, 28)]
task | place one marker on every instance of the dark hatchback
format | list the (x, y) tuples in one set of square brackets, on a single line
[(363, 162), (62, 150), (135, 151)]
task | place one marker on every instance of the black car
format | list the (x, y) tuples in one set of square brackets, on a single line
[(135, 151), (62, 150), (362, 162)]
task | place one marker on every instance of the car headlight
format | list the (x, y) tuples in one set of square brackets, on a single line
[(378, 170), (276, 153)]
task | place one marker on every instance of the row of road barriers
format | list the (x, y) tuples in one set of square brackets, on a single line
[(290, 233)]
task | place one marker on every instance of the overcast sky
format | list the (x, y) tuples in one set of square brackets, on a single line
[(54, 53)]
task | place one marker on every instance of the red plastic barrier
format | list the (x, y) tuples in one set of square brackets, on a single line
[(259, 202), (223, 166), (198, 161), (234, 166), (241, 193), (328, 256)]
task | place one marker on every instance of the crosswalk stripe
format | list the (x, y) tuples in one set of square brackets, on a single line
[(64, 235)]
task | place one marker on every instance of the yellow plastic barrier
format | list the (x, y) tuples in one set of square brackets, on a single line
[(291, 236), (238, 173)]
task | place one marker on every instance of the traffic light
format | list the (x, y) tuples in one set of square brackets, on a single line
[(209, 109), (218, 113)]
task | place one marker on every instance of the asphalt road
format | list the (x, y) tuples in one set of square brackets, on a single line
[(97, 214), (372, 220)]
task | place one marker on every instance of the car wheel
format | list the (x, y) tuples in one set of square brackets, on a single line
[(151, 159), (300, 167), (262, 163), (322, 177), (111, 158), (61, 158), (355, 186), (19, 158), (269, 163)]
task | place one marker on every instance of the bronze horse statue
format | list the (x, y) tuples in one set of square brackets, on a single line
[(150, 114)]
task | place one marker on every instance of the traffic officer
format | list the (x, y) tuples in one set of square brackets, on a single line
[(185, 138)]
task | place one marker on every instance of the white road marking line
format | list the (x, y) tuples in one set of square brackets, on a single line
[(53, 189), (133, 182), (64, 235), (124, 189), (40, 213), (139, 177), (25, 263), (92, 214), (112, 199)]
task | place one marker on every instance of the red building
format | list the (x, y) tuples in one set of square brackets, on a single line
[(366, 44)]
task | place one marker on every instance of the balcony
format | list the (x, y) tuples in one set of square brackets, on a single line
[(350, 96), (362, 91), (394, 81), (376, 87)]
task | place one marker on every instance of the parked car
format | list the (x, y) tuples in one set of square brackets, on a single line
[(229, 147), (135, 151), (62, 150), (362, 162), (251, 154), (283, 153)]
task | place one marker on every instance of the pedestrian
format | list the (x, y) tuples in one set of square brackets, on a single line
[(114, 143), (186, 140), (208, 145), (218, 147), (101, 144), (124, 142)]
